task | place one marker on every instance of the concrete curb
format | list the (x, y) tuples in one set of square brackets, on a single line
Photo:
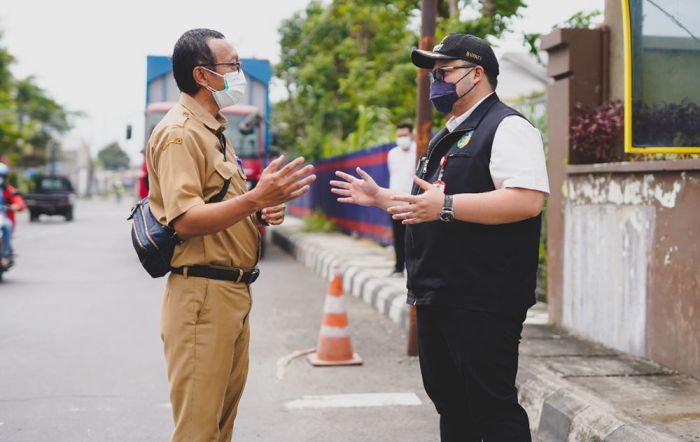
[(561, 411), (558, 409), (364, 268)]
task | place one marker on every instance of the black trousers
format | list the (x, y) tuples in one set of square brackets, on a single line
[(468, 361), (399, 244)]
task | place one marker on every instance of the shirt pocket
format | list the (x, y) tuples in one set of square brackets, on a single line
[(457, 170), (459, 154), (225, 171)]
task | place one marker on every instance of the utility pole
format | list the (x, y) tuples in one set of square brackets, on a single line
[(424, 117), (53, 158)]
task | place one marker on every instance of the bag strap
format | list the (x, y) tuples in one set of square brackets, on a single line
[(222, 144), (222, 193)]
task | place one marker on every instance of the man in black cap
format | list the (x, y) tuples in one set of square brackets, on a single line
[(472, 242)]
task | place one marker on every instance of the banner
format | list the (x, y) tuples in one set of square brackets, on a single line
[(368, 222)]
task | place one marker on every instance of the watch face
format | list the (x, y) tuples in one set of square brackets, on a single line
[(447, 216)]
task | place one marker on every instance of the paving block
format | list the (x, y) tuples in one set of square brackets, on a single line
[(579, 366), (562, 347), (629, 433)]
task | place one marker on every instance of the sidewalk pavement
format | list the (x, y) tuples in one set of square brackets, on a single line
[(572, 389)]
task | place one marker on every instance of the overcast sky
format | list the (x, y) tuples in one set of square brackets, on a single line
[(90, 55)]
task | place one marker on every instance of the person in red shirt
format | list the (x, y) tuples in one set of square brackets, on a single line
[(143, 181), (11, 202)]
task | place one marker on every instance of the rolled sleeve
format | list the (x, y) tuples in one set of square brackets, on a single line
[(179, 175), (517, 156)]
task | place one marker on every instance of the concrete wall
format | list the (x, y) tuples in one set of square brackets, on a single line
[(623, 239), (606, 249), (632, 259)]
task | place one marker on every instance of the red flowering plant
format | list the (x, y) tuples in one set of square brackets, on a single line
[(596, 134)]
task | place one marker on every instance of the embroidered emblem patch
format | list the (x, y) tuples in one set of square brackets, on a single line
[(177, 140), (465, 139)]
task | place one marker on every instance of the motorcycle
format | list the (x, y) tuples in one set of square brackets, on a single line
[(5, 263)]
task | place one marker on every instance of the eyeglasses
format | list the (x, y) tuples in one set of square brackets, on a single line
[(235, 67), (439, 73)]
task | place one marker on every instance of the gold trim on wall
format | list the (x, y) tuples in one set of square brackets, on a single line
[(627, 33)]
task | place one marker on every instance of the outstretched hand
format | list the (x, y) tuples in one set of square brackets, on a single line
[(415, 209), (363, 191), (279, 184)]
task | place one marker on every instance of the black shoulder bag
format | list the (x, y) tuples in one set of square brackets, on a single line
[(155, 243)]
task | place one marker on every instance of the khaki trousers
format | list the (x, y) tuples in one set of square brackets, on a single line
[(204, 326)]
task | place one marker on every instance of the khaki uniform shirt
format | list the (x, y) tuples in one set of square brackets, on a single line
[(185, 169)]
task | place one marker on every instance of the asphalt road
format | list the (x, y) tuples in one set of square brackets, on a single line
[(81, 357)]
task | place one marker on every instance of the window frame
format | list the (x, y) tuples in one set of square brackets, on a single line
[(629, 147)]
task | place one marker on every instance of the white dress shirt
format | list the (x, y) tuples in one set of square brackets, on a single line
[(402, 168), (517, 154)]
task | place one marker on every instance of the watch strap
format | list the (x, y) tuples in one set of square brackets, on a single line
[(447, 205)]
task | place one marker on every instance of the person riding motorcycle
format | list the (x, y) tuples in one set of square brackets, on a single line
[(11, 202)]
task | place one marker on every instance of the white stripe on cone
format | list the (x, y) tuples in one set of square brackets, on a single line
[(334, 304), (334, 332)]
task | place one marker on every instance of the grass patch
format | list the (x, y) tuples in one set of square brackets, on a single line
[(318, 222)]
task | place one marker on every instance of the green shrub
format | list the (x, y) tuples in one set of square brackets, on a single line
[(318, 222)]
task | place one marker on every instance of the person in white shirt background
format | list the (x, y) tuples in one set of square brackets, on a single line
[(401, 162)]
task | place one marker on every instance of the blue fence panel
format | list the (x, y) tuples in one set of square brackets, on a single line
[(369, 222)]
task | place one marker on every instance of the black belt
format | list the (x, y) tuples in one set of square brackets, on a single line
[(234, 275)]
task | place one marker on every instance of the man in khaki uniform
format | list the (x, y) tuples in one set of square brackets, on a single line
[(197, 187)]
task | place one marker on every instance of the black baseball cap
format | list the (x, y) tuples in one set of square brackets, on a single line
[(458, 47)]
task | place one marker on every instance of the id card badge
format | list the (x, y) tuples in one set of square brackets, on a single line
[(439, 183)]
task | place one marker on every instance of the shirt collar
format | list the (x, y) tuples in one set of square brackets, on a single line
[(455, 122), (216, 124)]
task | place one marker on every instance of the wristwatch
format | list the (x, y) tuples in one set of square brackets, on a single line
[(447, 214), (260, 219)]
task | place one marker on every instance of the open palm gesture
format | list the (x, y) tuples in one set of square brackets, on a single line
[(363, 191)]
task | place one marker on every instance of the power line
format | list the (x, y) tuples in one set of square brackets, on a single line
[(675, 20)]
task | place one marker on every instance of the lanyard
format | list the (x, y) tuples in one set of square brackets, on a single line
[(439, 183)]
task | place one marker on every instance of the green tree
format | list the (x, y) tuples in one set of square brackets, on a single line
[(30, 120), (488, 18), (340, 57), (113, 157), (39, 120), (8, 126), (347, 69)]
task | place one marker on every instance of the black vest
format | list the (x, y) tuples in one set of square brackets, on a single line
[(463, 264)]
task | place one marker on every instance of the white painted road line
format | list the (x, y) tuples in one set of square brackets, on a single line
[(354, 400)]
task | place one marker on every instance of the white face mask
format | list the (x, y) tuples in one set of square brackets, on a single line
[(403, 142), (233, 91)]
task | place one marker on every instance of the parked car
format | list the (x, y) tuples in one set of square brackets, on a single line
[(52, 195)]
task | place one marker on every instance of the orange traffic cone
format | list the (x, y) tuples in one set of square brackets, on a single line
[(334, 344)]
